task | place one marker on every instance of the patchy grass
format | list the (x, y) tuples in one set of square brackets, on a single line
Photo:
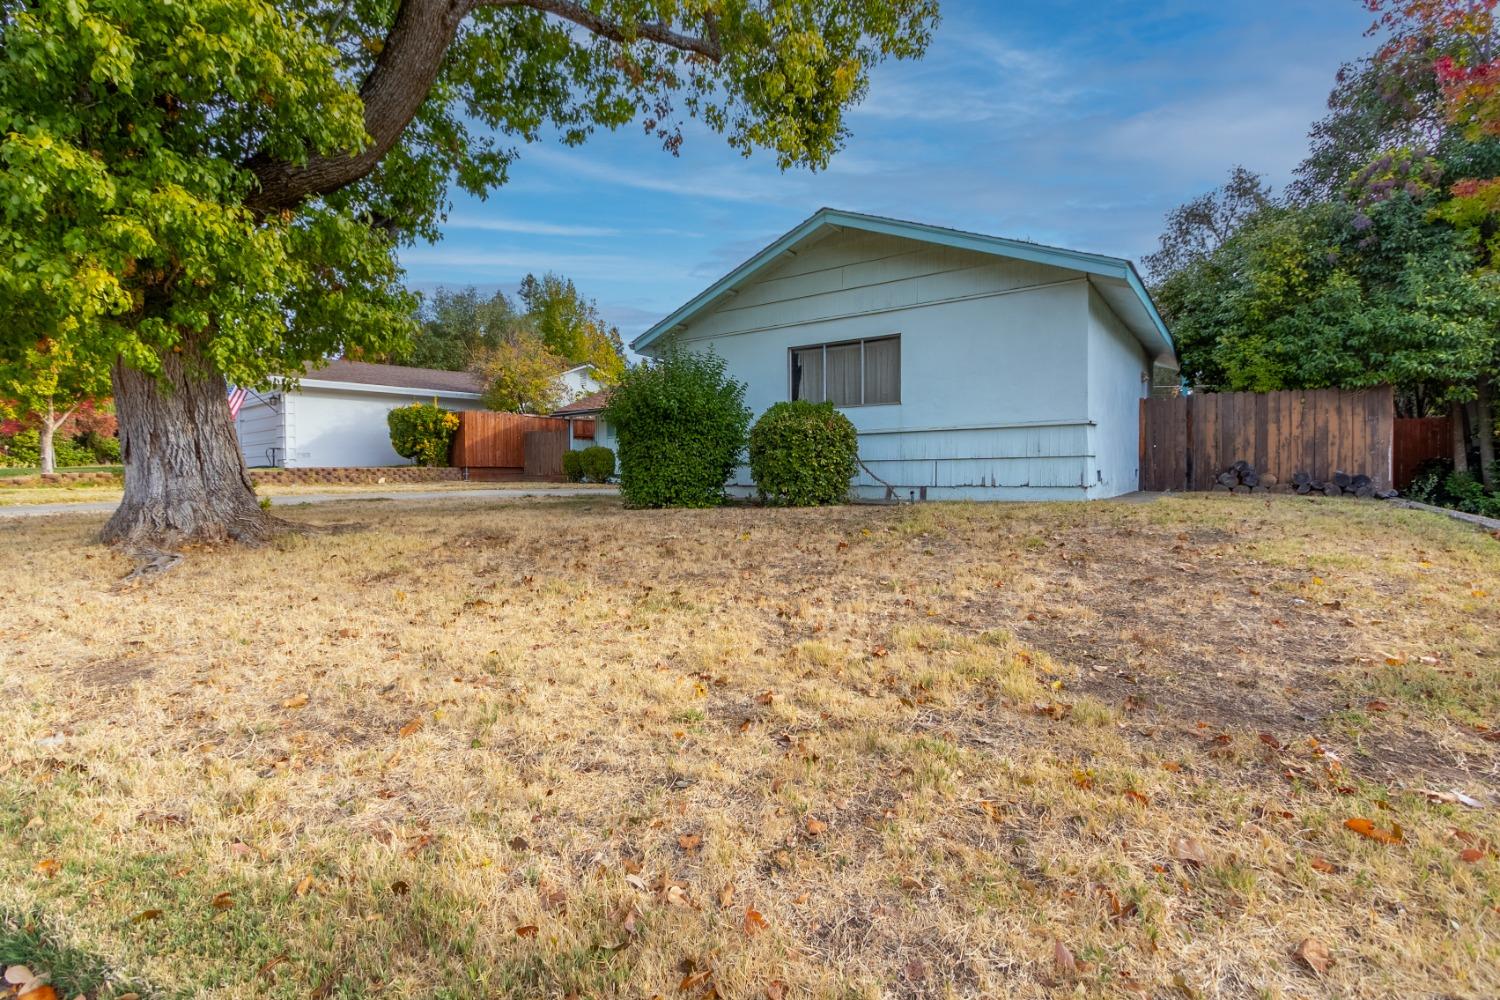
[(102, 493), (558, 748)]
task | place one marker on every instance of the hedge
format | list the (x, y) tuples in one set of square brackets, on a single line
[(680, 424), (422, 432), (803, 454)]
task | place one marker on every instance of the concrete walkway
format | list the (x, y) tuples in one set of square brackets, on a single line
[(498, 493)]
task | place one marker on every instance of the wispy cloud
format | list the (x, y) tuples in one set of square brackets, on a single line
[(525, 227)]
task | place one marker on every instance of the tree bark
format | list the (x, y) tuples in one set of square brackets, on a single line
[(1484, 427), (1456, 421), (185, 479), (46, 435)]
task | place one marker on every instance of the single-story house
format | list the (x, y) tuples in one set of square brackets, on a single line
[(335, 417), (585, 428), (973, 367), (579, 381)]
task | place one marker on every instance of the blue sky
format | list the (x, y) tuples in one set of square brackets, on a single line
[(1064, 121)]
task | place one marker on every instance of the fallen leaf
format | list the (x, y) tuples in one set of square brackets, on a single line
[(411, 727), (305, 886), (776, 990), (526, 931), (815, 827), (1189, 851), (693, 980), (48, 867), (677, 896), (689, 841), (1137, 797), (18, 975), (223, 901), (1314, 954), (1377, 706), (38, 991), (295, 701), (1321, 864), (1366, 828), (754, 922), (726, 896), (145, 915), (1472, 855)]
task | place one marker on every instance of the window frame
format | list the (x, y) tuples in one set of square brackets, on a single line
[(791, 370)]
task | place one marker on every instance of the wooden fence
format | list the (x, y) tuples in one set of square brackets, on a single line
[(1418, 439), (544, 452), (492, 446), (1186, 441)]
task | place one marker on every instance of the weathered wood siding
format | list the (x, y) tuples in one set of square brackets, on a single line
[(497, 441), (996, 374)]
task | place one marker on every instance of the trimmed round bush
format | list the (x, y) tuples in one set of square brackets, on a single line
[(573, 466), (422, 432), (680, 424), (598, 463), (803, 454)]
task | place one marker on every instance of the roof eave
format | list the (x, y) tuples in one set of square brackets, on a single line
[(1089, 263)]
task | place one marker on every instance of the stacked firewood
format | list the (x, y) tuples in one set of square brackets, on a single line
[(1242, 477), (1343, 484)]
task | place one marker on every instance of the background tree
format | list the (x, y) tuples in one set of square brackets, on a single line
[(520, 374), (1197, 228), (571, 326), (210, 189), (455, 327), (46, 383)]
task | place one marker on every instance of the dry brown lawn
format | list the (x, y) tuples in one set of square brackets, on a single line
[(556, 748)]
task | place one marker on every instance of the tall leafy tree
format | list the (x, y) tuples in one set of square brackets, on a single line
[(46, 383), (1198, 227), (571, 327), (520, 374), (211, 189), (455, 327)]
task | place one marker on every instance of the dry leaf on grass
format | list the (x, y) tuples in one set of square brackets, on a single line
[(1471, 855), (222, 901), (295, 701), (526, 931), (18, 975), (1367, 828), (689, 841), (48, 867), (1189, 851), (815, 826), (145, 915), (754, 922), (1063, 960), (412, 727), (1314, 954)]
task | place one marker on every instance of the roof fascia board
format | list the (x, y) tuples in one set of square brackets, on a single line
[(318, 383)]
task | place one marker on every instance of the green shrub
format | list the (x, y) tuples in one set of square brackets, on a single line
[(422, 432), (104, 447), (598, 463), (573, 466), (22, 450), (680, 424), (803, 454)]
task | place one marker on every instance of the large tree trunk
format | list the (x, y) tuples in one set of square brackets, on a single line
[(185, 479), (1457, 422), (1484, 427)]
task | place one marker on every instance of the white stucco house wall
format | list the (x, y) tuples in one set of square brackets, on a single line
[(973, 367), (578, 382), (335, 417), (585, 413)]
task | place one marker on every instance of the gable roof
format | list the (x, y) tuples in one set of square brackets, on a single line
[(1116, 277), (592, 403), (395, 376)]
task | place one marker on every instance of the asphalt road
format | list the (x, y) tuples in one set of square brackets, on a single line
[(499, 493)]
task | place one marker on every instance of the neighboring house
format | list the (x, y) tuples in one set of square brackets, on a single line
[(335, 417), (585, 428), (972, 366), (579, 381)]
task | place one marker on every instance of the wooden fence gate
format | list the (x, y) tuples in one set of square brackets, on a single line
[(1186, 441), (493, 446), (1419, 439), (544, 452)]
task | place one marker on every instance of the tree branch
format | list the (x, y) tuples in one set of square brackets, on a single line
[(403, 75), (579, 14)]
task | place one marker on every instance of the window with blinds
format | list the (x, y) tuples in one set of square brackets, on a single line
[(849, 373)]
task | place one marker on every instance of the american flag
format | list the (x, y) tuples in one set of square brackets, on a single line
[(236, 400)]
